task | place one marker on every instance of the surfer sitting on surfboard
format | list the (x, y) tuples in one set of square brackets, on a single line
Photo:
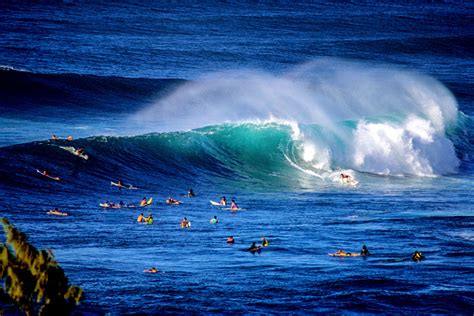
[(185, 223), (364, 251), (254, 248), (233, 205), (223, 201)]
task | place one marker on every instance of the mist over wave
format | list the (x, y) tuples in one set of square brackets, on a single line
[(363, 117)]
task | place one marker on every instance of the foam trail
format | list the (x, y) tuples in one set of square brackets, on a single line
[(370, 118)]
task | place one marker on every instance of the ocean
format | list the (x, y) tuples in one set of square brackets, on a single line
[(266, 103)]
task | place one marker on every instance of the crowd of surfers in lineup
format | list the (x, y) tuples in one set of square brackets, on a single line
[(185, 223)]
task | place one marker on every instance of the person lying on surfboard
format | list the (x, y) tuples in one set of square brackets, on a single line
[(170, 200), (79, 151), (56, 211), (45, 173)]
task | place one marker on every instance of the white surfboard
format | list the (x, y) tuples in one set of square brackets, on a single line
[(349, 181), (73, 151), (126, 186), (48, 176)]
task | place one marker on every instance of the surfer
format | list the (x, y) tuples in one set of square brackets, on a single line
[(69, 138), (185, 223), (120, 183), (214, 220), (54, 137), (253, 248), (140, 218), (56, 211), (149, 219), (45, 173), (345, 177), (143, 202), (152, 270), (233, 205), (265, 242), (364, 251), (170, 200), (223, 201), (79, 151), (417, 256), (190, 193), (230, 240)]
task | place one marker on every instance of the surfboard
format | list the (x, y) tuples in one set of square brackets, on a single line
[(344, 255), (148, 202), (53, 212), (126, 186), (109, 206), (215, 203), (72, 150), (233, 209), (173, 203), (350, 182), (48, 176)]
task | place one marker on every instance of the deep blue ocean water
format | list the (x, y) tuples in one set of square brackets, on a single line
[(266, 103)]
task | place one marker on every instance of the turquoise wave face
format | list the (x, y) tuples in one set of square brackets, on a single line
[(258, 154)]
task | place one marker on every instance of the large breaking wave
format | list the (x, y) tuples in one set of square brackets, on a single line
[(305, 125), (343, 115)]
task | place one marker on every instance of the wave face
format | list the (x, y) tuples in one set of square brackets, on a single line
[(260, 155)]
